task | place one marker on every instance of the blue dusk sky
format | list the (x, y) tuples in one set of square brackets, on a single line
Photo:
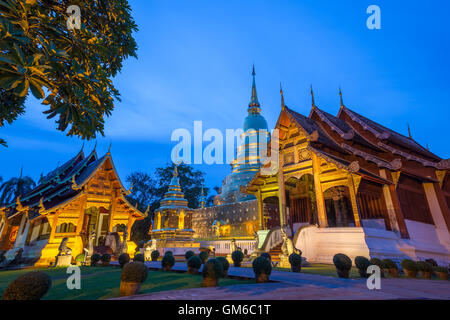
[(195, 61)]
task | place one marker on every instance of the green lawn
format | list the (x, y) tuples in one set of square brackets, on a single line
[(323, 270), (104, 282)]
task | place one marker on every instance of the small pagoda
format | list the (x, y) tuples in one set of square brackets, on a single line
[(173, 221)]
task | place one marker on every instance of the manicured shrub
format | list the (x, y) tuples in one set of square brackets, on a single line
[(79, 259), (189, 254), (266, 255), (170, 253), (408, 264), (262, 269), (134, 271), (343, 265), (442, 272), (425, 269), (155, 255), (432, 262), (194, 263), (362, 263), (139, 257), (410, 268), (30, 286), (124, 258), (238, 257), (167, 262), (378, 262), (225, 264), (296, 262), (424, 266), (203, 256), (390, 264), (95, 258), (106, 258), (212, 271)]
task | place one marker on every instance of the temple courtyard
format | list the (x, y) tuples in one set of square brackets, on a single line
[(318, 281)]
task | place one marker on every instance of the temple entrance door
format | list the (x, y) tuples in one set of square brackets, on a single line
[(271, 213), (301, 200), (338, 207)]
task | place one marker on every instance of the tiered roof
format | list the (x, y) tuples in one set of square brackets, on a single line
[(63, 184)]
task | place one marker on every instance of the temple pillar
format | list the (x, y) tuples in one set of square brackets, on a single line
[(260, 211), (281, 197), (438, 209), (355, 208), (393, 206), (112, 208), (23, 231), (321, 209)]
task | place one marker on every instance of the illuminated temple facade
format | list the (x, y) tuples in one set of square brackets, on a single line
[(347, 184), (82, 200)]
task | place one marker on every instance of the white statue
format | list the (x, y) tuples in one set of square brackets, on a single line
[(124, 246), (90, 246), (288, 246), (233, 247), (256, 237)]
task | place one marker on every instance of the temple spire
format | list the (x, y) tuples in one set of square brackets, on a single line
[(175, 170), (254, 103), (282, 97), (340, 97), (202, 199), (312, 97), (409, 131)]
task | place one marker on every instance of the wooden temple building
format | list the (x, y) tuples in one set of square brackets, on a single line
[(81, 198), (348, 184)]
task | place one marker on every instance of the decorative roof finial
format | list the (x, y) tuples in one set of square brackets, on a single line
[(409, 131), (109, 149), (254, 99), (428, 147), (312, 97), (175, 170), (282, 97), (340, 96), (202, 199)]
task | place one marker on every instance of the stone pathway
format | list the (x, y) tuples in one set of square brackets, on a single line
[(302, 286)]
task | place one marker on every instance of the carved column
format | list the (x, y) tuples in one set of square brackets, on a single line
[(281, 197), (321, 210), (260, 211), (438, 206), (353, 184)]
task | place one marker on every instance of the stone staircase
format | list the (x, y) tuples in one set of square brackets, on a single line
[(275, 253)]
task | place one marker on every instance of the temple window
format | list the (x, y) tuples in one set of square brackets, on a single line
[(413, 200)]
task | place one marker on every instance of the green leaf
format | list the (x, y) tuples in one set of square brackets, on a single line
[(36, 89), (22, 88)]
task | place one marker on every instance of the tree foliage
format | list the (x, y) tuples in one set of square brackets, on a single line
[(69, 70), (148, 191), (15, 187)]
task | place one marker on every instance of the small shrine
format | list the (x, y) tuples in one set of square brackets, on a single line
[(173, 222)]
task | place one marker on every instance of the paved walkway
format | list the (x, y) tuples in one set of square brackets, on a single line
[(295, 286)]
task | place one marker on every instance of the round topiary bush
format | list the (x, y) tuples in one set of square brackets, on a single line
[(343, 265), (296, 262), (134, 271), (238, 257), (106, 258), (189, 254), (391, 266), (30, 286), (442, 272), (266, 255), (262, 269), (167, 262), (170, 253), (79, 259), (95, 258), (212, 271), (194, 263), (379, 263), (362, 263), (124, 258), (225, 264), (203, 256), (139, 257), (410, 268), (432, 262), (426, 269), (155, 255)]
